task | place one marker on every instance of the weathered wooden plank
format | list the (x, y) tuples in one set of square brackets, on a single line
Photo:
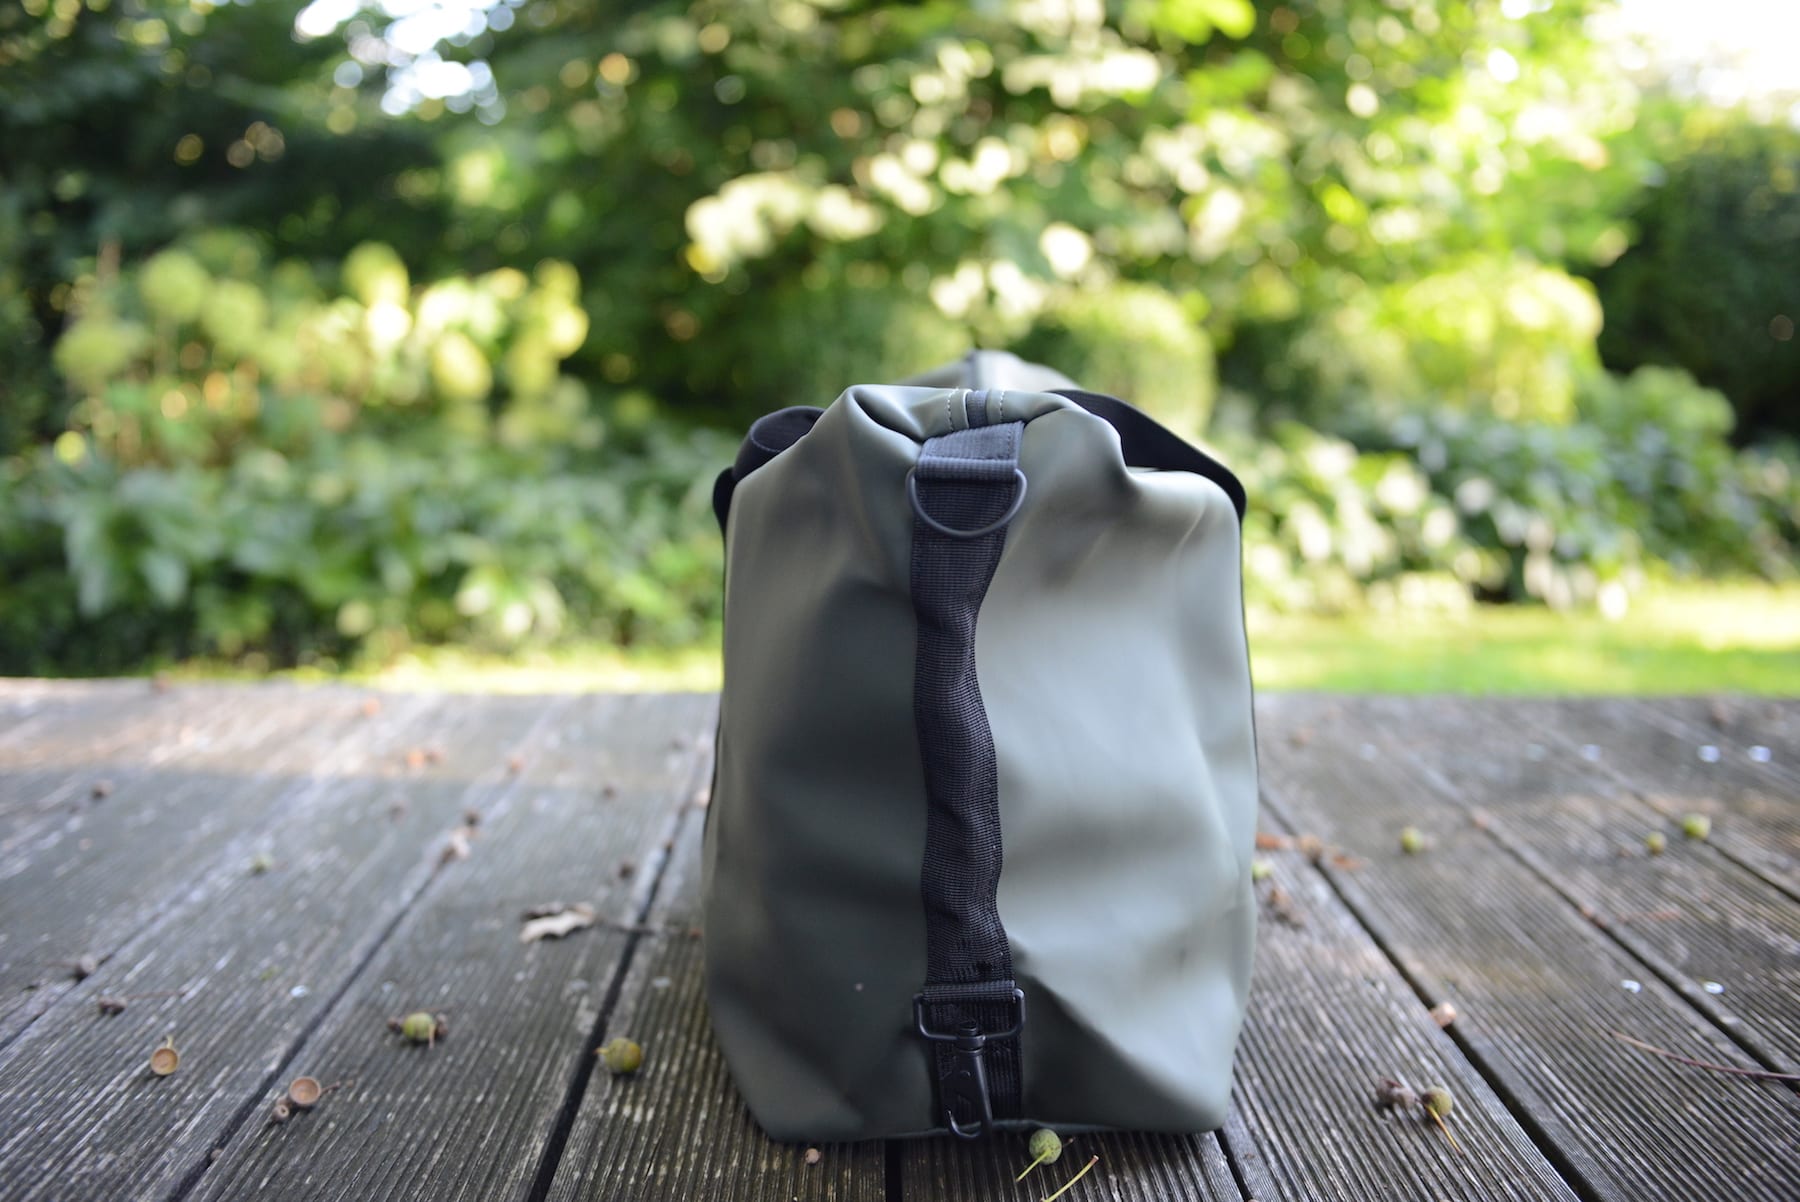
[(73, 735), (470, 1119), (259, 958), (1329, 1018), (1665, 753), (1715, 931), (1538, 986), (86, 883), (678, 1129), (1132, 1165)]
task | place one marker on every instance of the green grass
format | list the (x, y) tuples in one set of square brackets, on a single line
[(1717, 639), (1737, 638)]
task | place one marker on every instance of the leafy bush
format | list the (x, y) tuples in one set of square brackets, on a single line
[(1709, 285), (1646, 477), (1444, 508), (1130, 340), (1509, 338), (259, 464), (1330, 528)]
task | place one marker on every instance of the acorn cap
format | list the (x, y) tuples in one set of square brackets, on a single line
[(166, 1059), (303, 1092)]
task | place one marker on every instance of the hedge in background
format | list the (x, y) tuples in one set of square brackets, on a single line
[(1712, 281), (261, 463)]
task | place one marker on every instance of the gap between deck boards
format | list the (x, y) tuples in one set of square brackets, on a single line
[(688, 796)]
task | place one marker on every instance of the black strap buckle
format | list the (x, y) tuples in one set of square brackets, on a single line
[(965, 1080)]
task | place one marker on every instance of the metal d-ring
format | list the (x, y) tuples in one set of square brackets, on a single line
[(1012, 511)]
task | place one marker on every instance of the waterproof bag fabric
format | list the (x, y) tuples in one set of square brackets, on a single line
[(977, 855)]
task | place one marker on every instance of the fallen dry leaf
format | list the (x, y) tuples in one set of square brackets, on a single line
[(1268, 842), (555, 926), (1281, 905), (456, 847)]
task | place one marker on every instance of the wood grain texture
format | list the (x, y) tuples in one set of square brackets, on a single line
[(201, 775), (1656, 750), (1132, 1165), (1711, 928), (60, 745), (470, 1119), (1529, 922), (1329, 1017), (258, 956), (1537, 985), (677, 1128)]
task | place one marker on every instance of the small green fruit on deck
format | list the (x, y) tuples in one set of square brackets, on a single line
[(1696, 826), (1412, 840), (1046, 1147), (418, 1026), (622, 1056), (1655, 843), (1438, 1103)]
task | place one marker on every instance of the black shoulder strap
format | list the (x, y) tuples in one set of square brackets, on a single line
[(769, 436), (1147, 443), (1144, 441)]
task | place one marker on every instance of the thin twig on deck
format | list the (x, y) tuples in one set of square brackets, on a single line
[(1759, 1074)]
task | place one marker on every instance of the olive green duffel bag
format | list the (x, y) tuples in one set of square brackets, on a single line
[(978, 852)]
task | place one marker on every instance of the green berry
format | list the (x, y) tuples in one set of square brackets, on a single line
[(1045, 1146), (622, 1056), (1696, 826), (1412, 840), (1260, 870), (418, 1026), (1655, 843), (1437, 1101)]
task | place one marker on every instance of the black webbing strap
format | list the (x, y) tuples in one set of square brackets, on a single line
[(1147, 443), (965, 488), (769, 436)]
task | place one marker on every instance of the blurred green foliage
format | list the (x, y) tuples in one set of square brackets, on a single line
[(1712, 280), (259, 461), (311, 353)]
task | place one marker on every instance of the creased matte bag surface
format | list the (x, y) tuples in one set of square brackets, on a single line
[(1112, 666)]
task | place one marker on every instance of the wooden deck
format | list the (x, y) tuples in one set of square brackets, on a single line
[(276, 855)]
